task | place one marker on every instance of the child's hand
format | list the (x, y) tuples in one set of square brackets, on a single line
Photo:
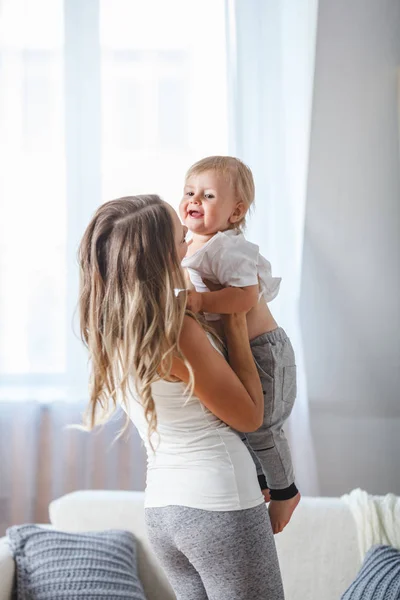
[(194, 301)]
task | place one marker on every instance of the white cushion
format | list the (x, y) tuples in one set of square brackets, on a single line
[(100, 510), (7, 568), (318, 550)]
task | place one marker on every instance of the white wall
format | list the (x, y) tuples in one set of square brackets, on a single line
[(350, 301)]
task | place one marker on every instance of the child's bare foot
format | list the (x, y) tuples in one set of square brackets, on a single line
[(280, 512), (266, 495)]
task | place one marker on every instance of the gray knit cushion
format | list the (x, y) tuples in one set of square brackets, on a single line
[(53, 565), (379, 577)]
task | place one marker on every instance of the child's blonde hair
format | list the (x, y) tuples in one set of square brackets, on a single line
[(236, 172)]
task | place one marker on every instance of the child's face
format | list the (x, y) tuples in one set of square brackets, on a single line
[(209, 204)]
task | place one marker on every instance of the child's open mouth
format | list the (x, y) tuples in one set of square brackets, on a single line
[(195, 214)]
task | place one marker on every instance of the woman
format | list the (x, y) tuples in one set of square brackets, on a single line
[(205, 514)]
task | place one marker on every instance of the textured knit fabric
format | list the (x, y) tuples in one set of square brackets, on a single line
[(53, 565), (275, 360), (210, 555), (379, 577), (377, 519)]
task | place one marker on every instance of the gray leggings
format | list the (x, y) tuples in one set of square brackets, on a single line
[(210, 555)]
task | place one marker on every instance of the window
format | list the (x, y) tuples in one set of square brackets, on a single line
[(163, 73), (97, 100), (32, 194)]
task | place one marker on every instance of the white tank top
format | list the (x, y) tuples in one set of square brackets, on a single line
[(198, 461)]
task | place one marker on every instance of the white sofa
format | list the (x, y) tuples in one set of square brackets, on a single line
[(318, 551)]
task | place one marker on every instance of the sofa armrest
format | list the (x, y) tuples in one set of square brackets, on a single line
[(96, 510), (7, 569)]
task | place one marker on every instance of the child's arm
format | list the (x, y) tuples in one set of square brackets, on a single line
[(226, 301)]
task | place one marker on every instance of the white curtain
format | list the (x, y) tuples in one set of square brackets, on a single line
[(271, 48), (98, 99), (101, 98), (42, 458)]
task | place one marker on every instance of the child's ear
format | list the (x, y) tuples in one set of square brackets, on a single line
[(238, 213)]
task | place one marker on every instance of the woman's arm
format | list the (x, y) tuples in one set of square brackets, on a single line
[(232, 394)]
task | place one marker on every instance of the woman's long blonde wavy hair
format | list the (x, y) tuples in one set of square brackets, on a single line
[(130, 317)]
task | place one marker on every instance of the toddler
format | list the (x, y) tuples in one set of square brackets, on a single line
[(218, 193)]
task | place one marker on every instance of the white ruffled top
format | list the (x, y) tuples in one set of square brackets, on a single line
[(231, 260)]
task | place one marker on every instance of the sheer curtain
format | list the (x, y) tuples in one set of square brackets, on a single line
[(98, 99), (101, 98), (271, 48), (32, 198)]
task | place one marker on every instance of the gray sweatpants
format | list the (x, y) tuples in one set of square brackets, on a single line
[(275, 360), (212, 555)]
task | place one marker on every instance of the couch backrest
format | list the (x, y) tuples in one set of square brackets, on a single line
[(318, 550)]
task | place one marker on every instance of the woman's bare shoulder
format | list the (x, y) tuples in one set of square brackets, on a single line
[(194, 345), (191, 330)]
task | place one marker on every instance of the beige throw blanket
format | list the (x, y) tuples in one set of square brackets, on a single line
[(377, 519)]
